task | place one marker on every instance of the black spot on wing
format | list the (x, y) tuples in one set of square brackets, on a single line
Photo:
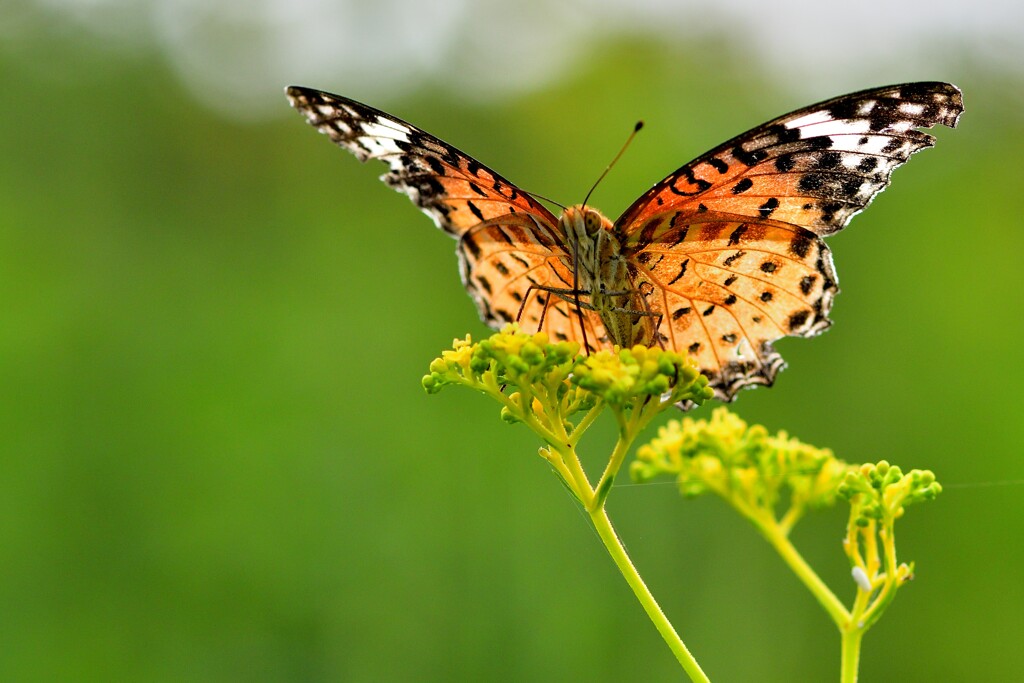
[(736, 235), (768, 207), (469, 241), (735, 257), (784, 163), (475, 210), (682, 271), (435, 164), (801, 243), (742, 186), (828, 161), (751, 158), (867, 164), (798, 319)]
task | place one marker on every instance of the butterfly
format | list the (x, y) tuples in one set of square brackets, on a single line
[(718, 260)]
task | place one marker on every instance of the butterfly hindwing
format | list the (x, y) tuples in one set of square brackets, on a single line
[(726, 290), (510, 267)]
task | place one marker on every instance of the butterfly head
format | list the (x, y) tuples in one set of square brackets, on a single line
[(583, 223)]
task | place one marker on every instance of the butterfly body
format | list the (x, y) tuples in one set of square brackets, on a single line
[(718, 260), (602, 282)]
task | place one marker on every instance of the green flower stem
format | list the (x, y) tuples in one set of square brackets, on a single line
[(629, 429), (852, 626), (851, 655), (796, 562), (593, 502), (615, 548), (585, 423), (614, 463), (580, 483), (873, 611), (557, 461), (789, 520)]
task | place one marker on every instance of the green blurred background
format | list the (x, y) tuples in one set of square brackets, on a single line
[(218, 463)]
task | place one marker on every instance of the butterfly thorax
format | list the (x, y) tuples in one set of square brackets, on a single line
[(601, 272)]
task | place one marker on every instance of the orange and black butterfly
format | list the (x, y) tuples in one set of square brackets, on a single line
[(718, 260)]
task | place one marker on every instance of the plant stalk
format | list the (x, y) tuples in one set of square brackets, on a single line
[(615, 548)]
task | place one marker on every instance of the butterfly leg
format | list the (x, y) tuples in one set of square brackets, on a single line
[(562, 292), (576, 292), (566, 294)]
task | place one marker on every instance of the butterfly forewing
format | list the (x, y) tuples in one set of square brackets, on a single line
[(815, 167), (451, 187)]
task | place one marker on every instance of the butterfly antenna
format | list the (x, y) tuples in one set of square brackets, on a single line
[(636, 129), (545, 199)]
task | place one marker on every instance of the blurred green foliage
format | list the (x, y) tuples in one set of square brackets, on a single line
[(219, 464)]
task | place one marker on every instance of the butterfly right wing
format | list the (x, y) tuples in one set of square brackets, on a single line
[(813, 168), (730, 244)]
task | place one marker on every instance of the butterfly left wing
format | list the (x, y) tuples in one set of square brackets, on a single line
[(509, 244), (451, 187), (729, 246)]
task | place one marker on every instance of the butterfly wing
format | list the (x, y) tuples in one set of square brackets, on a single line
[(730, 243), (726, 290), (815, 167), (508, 242), (511, 264)]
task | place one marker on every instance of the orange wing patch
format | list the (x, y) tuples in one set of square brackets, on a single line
[(509, 264)]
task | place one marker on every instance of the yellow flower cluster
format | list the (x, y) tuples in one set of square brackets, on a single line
[(641, 372), (880, 491), (532, 365), (737, 460)]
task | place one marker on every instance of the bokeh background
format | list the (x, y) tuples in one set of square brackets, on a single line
[(218, 463)]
